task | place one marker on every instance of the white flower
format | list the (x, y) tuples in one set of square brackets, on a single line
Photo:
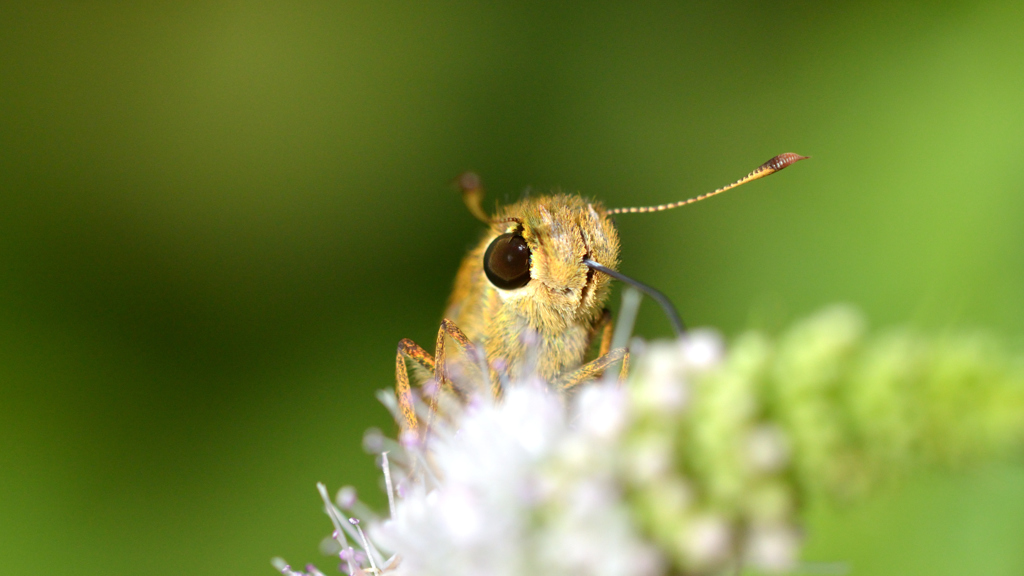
[(697, 465), (514, 498), (592, 484)]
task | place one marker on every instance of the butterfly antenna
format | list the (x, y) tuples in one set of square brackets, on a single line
[(770, 167), (473, 195)]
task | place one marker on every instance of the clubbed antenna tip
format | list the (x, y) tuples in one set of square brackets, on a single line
[(781, 161), (472, 194)]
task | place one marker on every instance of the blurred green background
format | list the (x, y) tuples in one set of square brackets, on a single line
[(218, 219)]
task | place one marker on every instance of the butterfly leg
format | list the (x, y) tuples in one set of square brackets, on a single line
[(593, 369), (448, 328), (605, 326), (438, 366), (409, 349)]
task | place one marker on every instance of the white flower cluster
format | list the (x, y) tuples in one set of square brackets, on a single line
[(527, 487), (697, 465), (706, 473), (539, 482)]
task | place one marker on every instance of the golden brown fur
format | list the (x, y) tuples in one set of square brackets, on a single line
[(562, 301)]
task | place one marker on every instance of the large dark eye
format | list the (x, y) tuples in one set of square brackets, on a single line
[(507, 262)]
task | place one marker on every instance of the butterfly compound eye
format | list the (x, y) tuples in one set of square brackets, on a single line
[(507, 262)]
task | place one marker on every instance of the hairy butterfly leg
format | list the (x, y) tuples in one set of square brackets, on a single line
[(606, 333), (437, 366), (409, 349), (593, 369)]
